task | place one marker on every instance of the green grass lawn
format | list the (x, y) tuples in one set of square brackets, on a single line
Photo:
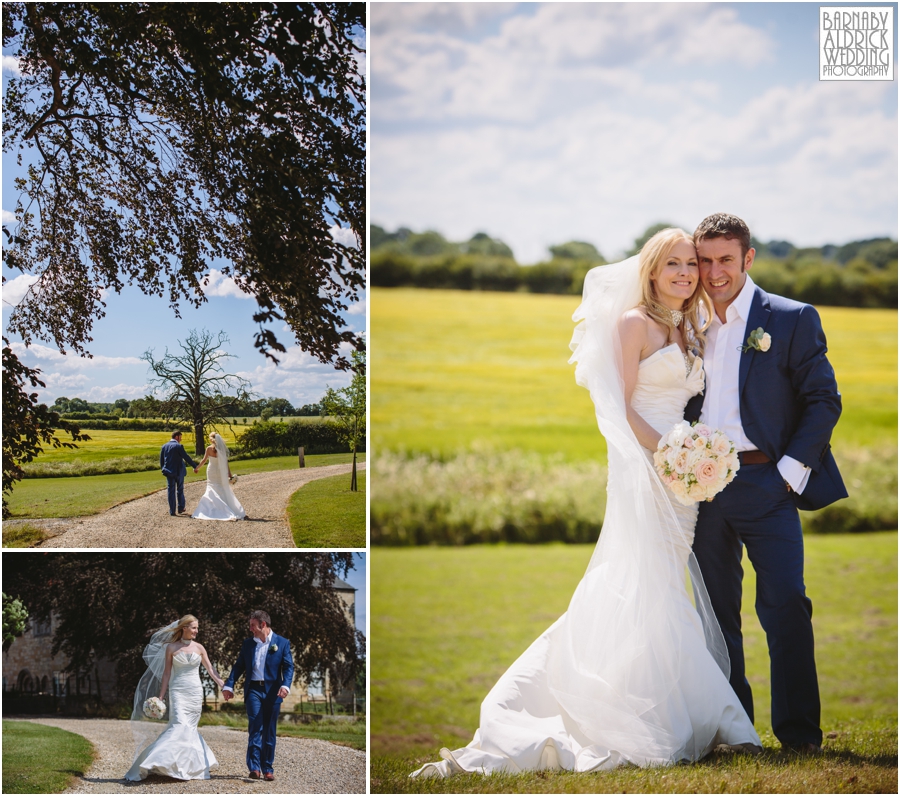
[(79, 496), (343, 732), (446, 622), (325, 513), (453, 367), (39, 759)]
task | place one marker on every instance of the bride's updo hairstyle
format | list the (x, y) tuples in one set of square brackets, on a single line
[(178, 632), (653, 254)]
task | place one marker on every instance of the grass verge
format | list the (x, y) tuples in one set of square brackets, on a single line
[(343, 732), (25, 535), (447, 622), (39, 759), (36, 498), (325, 513)]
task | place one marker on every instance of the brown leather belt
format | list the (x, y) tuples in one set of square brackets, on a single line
[(752, 457)]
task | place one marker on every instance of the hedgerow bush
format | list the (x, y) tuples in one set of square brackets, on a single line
[(480, 496), (275, 439)]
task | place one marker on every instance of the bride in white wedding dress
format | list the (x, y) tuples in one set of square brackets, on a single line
[(219, 501), (633, 672), (173, 659)]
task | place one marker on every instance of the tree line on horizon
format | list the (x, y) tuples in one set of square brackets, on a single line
[(152, 407), (856, 274)]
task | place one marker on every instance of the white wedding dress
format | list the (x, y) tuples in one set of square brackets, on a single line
[(630, 673), (180, 751), (219, 501)]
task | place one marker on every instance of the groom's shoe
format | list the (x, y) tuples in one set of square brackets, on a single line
[(269, 776), (255, 775), (182, 511)]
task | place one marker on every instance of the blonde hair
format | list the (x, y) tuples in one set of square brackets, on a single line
[(653, 253), (178, 632)]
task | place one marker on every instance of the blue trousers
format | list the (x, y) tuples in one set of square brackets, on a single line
[(756, 510), (176, 484), (262, 712)]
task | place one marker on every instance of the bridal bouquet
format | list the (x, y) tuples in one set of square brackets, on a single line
[(154, 708), (232, 480), (695, 462)]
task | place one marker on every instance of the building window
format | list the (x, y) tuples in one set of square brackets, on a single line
[(41, 628), (316, 686)]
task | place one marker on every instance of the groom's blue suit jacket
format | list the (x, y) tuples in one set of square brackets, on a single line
[(172, 459), (789, 398), (278, 670)]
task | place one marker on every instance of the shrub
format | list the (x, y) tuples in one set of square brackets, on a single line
[(280, 439)]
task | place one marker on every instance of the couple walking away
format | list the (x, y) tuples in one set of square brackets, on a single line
[(633, 672), (219, 501), (173, 659)]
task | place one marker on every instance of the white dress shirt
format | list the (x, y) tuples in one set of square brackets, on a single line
[(722, 405), (258, 672)]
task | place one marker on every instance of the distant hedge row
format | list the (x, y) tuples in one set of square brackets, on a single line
[(86, 420), (819, 282), (284, 438)]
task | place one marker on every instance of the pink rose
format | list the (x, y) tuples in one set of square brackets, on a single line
[(688, 442), (703, 430), (706, 472)]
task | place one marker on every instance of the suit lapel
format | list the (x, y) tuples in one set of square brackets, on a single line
[(758, 317)]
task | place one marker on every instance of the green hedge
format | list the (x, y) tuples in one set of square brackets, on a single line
[(275, 439), (811, 280), (97, 423)]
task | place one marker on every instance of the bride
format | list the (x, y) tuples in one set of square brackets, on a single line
[(633, 672), (219, 501), (173, 659)]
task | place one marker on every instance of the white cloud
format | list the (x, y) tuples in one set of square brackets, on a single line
[(66, 362), (14, 290), (357, 309), (11, 65), (343, 235), (8, 217), (217, 284), (299, 377)]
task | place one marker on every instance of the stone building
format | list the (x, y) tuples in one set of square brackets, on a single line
[(30, 668)]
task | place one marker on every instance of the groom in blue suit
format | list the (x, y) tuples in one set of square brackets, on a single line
[(774, 394), (171, 461), (265, 661)]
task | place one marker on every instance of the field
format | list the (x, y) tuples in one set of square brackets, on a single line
[(450, 368), (79, 496), (446, 622)]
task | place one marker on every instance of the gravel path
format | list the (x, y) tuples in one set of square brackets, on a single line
[(302, 765), (146, 522)]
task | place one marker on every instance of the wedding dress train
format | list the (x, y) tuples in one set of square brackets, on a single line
[(219, 501), (180, 751), (626, 675)]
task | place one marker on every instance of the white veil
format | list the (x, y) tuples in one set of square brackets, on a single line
[(631, 568), (145, 730), (222, 453)]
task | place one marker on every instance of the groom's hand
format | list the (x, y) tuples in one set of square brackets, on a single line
[(226, 695), (282, 692)]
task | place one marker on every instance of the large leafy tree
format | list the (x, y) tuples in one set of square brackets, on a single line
[(164, 137), (14, 618), (160, 140), (108, 604), (195, 383)]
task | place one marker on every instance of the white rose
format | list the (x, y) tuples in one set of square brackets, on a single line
[(765, 342), (721, 445)]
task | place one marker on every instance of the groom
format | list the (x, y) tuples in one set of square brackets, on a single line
[(171, 461), (266, 662), (776, 397)]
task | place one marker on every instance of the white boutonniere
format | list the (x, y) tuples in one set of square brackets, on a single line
[(273, 648), (758, 339)]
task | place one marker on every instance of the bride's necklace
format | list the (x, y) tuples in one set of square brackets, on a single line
[(674, 316)]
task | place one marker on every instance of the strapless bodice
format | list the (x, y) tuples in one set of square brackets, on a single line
[(664, 387)]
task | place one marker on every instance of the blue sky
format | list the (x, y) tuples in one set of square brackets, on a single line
[(135, 322), (545, 122)]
